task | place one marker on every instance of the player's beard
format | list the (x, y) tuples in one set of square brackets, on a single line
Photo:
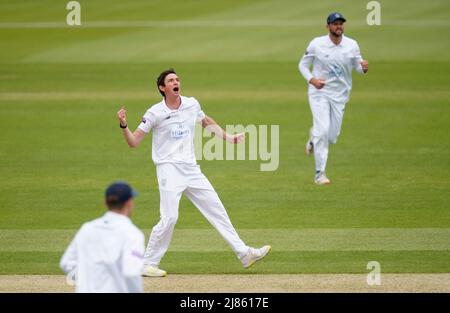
[(336, 34)]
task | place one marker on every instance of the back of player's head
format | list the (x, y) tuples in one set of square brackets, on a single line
[(161, 78), (117, 194)]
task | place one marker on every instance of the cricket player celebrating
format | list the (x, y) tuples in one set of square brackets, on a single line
[(172, 122), (333, 58), (107, 254)]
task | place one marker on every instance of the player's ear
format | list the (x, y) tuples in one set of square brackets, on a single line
[(161, 88), (129, 205)]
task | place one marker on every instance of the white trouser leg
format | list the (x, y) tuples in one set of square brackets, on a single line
[(336, 116), (170, 191), (320, 109), (161, 234), (204, 197)]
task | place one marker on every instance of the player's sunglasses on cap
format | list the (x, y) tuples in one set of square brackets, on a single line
[(333, 17), (119, 192)]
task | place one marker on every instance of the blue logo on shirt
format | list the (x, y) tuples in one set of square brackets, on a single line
[(179, 132), (335, 71)]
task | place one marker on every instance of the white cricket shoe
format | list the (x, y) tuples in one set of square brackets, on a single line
[(152, 271), (321, 179), (309, 148), (253, 255)]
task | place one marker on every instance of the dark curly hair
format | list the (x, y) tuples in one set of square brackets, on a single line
[(161, 78)]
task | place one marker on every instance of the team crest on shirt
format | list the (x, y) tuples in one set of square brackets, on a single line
[(179, 131), (335, 71)]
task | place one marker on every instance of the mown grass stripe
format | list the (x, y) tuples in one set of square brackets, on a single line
[(206, 240), (149, 95), (288, 262), (205, 23)]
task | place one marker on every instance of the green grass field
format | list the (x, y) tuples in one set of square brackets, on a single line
[(60, 145)]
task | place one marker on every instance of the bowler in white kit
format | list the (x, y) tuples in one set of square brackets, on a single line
[(333, 58), (172, 122)]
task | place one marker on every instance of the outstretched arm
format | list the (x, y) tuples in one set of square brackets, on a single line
[(213, 127), (133, 139)]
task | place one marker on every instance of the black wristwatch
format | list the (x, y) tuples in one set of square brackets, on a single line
[(123, 126)]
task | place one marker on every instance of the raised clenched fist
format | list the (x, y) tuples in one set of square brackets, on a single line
[(122, 115)]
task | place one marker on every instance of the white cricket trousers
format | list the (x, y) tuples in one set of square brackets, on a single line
[(327, 120), (174, 179)]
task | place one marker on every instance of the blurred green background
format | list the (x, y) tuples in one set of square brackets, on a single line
[(60, 145)]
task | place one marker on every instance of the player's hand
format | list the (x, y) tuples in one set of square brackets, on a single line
[(364, 65), (122, 115), (237, 138), (317, 82)]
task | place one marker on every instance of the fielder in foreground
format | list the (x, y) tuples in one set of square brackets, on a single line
[(172, 122), (333, 58), (106, 254)]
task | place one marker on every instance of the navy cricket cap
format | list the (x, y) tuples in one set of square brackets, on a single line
[(118, 193), (333, 17)]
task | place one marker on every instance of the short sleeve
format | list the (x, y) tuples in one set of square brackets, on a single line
[(133, 256), (147, 122), (200, 114)]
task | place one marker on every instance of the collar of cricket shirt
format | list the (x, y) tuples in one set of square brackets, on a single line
[(116, 216), (169, 110), (331, 44)]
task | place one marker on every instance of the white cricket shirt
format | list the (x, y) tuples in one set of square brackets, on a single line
[(173, 131), (106, 255), (331, 62)]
